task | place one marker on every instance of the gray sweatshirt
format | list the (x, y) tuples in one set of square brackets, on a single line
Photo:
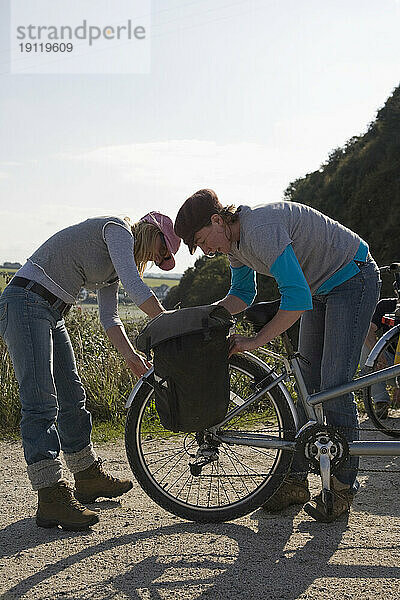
[(96, 254), (322, 246)]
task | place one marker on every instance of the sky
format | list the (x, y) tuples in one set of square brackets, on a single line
[(243, 96)]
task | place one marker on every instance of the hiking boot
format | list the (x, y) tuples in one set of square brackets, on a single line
[(382, 410), (292, 491), (57, 506), (94, 482), (342, 499)]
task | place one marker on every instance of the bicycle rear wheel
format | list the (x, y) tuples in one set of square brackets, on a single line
[(238, 479), (382, 401)]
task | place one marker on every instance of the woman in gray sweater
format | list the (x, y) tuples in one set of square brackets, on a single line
[(327, 279), (97, 254)]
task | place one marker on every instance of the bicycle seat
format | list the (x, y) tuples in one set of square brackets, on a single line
[(261, 313)]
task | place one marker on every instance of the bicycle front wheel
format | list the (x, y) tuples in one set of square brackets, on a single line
[(382, 401), (238, 479)]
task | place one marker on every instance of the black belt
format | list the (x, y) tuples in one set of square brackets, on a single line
[(40, 290)]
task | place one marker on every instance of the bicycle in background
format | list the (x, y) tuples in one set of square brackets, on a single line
[(382, 401)]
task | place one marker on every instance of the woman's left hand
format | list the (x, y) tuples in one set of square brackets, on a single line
[(241, 343)]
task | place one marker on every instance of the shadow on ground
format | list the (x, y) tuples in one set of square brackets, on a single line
[(262, 566)]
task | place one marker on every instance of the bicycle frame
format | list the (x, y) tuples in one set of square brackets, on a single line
[(312, 403), (313, 407)]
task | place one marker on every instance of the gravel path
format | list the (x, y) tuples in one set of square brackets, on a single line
[(138, 551)]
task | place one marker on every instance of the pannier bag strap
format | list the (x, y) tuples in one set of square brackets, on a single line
[(148, 348), (206, 332)]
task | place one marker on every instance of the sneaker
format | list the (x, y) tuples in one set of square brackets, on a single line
[(382, 410), (58, 506), (342, 499), (94, 482), (292, 491)]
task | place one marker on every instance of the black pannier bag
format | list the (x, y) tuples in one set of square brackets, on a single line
[(190, 356)]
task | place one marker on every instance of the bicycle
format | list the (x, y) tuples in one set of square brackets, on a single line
[(386, 352), (231, 469)]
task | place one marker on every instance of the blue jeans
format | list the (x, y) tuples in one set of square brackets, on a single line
[(331, 338), (54, 414)]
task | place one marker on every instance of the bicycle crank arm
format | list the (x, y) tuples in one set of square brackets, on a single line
[(325, 470)]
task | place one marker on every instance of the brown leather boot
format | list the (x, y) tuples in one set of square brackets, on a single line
[(57, 506), (342, 500), (94, 482), (292, 491)]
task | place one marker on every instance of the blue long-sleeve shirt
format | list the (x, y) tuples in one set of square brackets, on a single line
[(293, 287)]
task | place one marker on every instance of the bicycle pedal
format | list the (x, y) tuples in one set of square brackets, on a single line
[(328, 500)]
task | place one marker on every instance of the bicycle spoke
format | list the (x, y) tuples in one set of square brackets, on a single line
[(180, 477), (210, 486), (171, 469), (246, 469), (229, 480), (221, 481), (166, 460), (235, 468)]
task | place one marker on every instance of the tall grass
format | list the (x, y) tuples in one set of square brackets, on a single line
[(102, 369)]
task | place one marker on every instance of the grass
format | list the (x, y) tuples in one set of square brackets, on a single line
[(156, 282), (5, 277), (127, 312), (107, 432), (106, 379)]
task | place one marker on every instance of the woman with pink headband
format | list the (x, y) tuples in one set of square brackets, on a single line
[(97, 254)]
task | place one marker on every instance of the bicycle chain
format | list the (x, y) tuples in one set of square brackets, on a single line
[(343, 468)]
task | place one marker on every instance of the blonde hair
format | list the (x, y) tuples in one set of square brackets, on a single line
[(145, 236)]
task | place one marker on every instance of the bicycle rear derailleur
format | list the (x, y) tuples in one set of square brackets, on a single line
[(207, 453), (325, 449)]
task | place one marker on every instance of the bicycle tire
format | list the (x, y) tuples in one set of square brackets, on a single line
[(390, 424), (140, 463)]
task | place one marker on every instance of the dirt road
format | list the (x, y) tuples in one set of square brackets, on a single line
[(138, 551)]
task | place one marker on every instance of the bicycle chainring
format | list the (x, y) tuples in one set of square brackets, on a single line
[(315, 435)]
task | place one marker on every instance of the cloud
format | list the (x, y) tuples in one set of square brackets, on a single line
[(187, 163), (10, 163), (134, 178)]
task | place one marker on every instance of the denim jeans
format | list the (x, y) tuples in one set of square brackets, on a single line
[(53, 413), (331, 338)]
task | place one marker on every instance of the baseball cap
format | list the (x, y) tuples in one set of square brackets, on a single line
[(194, 214), (172, 241)]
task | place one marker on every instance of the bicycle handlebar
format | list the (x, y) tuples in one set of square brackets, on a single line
[(393, 268)]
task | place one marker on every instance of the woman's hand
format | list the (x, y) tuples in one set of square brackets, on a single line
[(241, 343), (281, 322), (138, 365)]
